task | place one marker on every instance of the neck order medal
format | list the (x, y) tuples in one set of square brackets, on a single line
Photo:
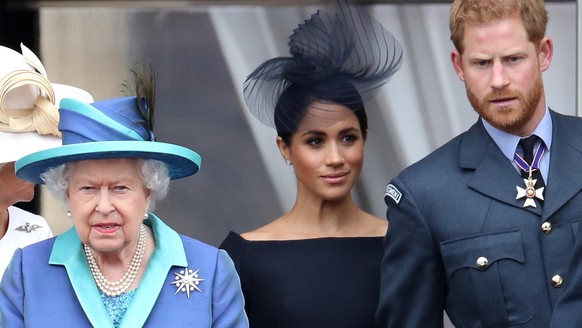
[(530, 192)]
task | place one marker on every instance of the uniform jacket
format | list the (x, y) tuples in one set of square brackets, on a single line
[(568, 310), (24, 228), (460, 240), (49, 284)]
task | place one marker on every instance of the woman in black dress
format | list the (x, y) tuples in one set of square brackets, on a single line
[(318, 265)]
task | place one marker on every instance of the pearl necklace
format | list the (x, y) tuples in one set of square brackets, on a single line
[(116, 288)]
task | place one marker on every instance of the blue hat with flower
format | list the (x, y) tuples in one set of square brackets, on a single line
[(113, 128)]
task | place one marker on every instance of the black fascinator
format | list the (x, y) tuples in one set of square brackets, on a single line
[(343, 57)]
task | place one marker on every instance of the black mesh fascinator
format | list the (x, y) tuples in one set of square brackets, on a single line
[(341, 57)]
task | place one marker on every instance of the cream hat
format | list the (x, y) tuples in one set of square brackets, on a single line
[(28, 115)]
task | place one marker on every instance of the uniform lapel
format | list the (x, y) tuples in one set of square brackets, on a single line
[(564, 178), (494, 175)]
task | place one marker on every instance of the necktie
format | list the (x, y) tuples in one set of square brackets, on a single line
[(528, 155)]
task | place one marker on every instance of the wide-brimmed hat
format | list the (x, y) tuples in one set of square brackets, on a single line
[(28, 112), (114, 128)]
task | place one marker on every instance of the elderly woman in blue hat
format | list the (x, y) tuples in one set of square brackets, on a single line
[(28, 123), (120, 265)]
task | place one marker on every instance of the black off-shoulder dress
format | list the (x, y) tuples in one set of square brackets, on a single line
[(323, 282)]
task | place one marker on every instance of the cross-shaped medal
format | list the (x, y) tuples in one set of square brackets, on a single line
[(530, 193)]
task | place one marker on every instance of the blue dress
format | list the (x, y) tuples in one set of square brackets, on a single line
[(319, 283), (49, 284), (117, 305)]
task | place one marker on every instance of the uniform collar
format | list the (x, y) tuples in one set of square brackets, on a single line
[(507, 142)]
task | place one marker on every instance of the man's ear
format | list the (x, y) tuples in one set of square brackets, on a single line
[(546, 52), (457, 62)]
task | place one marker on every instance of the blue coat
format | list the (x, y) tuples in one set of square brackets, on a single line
[(49, 284), (459, 239)]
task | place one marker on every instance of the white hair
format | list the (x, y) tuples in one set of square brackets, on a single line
[(154, 174)]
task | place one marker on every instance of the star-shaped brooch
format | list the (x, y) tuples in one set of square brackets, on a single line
[(530, 192), (187, 281), (28, 227)]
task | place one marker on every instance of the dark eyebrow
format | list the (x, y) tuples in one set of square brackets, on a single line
[(349, 130), (319, 133), (312, 132)]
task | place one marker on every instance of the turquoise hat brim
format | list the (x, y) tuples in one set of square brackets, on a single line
[(181, 161)]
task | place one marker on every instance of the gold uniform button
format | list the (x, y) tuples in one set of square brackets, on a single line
[(557, 281), (482, 263), (546, 227)]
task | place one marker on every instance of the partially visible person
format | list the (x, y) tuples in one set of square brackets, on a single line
[(484, 226), (28, 123), (119, 265), (318, 265)]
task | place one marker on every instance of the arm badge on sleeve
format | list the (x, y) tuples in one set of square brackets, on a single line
[(393, 192)]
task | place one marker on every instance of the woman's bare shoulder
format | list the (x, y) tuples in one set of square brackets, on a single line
[(267, 232)]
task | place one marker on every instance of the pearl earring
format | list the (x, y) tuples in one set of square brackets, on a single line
[(146, 216)]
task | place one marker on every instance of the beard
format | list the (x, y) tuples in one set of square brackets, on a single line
[(510, 118)]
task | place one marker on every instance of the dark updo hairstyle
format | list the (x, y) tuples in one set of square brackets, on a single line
[(296, 99), (341, 56)]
